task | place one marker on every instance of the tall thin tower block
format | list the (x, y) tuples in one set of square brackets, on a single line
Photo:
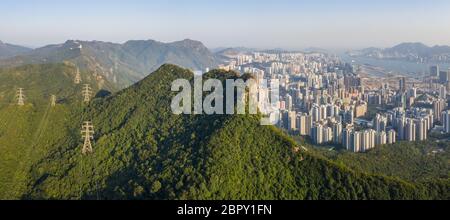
[(20, 96), (77, 79), (87, 93), (87, 132), (53, 100)]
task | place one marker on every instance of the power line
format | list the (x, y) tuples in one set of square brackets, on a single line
[(53, 100), (87, 132), (20, 97), (87, 93), (77, 79)]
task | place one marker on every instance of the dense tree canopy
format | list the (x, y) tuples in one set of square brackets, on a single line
[(143, 151)]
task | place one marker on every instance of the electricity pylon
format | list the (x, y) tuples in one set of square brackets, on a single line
[(77, 77), (53, 100), (87, 132), (20, 97), (87, 93)]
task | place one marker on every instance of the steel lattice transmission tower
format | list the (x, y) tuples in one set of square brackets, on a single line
[(87, 132), (87, 93), (53, 100), (20, 97), (77, 77)]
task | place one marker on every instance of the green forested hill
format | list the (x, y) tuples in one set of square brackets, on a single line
[(40, 81), (143, 151), (412, 161), (28, 132)]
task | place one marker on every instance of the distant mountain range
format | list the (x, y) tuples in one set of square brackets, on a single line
[(414, 52), (10, 50), (122, 64)]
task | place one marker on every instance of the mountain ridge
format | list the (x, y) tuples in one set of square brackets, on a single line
[(10, 50), (122, 64), (143, 151), (410, 51)]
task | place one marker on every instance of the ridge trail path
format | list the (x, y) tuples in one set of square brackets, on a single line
[(8, 158), (21, 177)]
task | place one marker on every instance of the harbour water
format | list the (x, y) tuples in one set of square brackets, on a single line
[(395, 66)]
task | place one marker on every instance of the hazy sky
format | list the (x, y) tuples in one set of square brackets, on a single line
[(290, 24)]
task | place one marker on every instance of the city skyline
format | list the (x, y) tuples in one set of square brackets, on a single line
[(284, 24)]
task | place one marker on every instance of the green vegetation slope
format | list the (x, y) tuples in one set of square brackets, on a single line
[(143, 151), (28, 132)]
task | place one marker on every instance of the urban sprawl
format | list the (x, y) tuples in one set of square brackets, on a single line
[(324, 99)]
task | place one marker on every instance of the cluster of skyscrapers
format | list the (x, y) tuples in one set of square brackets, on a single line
[(325, 99)]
